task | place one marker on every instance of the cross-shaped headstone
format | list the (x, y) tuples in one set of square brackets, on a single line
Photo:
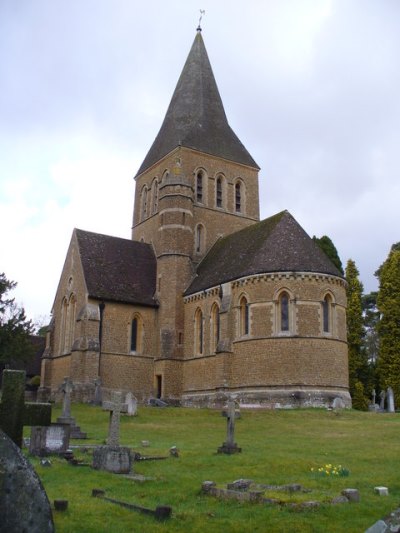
[(229, 446), (66, 387), (116, 407), (14, 412)]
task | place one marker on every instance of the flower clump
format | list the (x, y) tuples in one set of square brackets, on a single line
[(330, 470)]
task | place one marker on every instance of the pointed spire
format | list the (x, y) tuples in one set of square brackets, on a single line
[(196, 117)]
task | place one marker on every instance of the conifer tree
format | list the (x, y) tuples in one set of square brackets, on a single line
[(15, 328), (389, 325), (358, 365), (327, 246)]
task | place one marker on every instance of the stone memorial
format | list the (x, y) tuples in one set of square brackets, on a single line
[(14, 412), (338, 403), (24, 505), (53, 439), (229, 446), (113, 457), (390, 400), (131, 404), (66, 388), (98, 393), (382, 397)]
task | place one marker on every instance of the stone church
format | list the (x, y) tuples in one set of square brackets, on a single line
[(205, 300)]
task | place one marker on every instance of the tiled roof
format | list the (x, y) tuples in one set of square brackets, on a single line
[(276, 244), (196, 116), (117, 269)]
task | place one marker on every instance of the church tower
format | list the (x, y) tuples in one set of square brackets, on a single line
[(197, 184)]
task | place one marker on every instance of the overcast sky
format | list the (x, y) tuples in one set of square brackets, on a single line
[(311, 87)]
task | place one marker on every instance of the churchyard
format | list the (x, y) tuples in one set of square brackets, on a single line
[(278, 448)]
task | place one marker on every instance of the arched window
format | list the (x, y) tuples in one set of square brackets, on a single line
[(238, 197), (327, 314), (215, 327), (244, 318), (198, 332), (218, 192), (64, 322), (154, 197), (143, 206), (199, 186), (67, 330), (136, 335), (199, 239), (284, 311), (71, 322)]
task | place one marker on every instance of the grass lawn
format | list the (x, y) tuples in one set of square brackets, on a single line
[(279, 447)]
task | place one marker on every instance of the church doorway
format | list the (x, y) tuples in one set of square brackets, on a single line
[(159, 385)]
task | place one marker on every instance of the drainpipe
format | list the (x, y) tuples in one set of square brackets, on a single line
[(101, 309)]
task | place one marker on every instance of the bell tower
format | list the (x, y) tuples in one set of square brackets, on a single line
[(197, 183)]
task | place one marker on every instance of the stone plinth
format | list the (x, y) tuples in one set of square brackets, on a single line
[(116, 459)]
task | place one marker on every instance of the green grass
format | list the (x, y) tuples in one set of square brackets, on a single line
[(279, 447)]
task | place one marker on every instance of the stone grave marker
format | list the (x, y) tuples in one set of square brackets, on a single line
[(229, 446), (338, 403), (14, 412), (116, 407), (49, 439), (382, 397), (390, 400), (131, 404), (24, 505), (98, 393), (113, 457), (67, 387)]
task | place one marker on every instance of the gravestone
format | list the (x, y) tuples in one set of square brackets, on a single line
[(382, 396), (338, 403), (24, 505), (390, 400), (98, 393), (131, 404), (67, 387), (49, 439), (229, 446), (373, 406), (14, 412), (113, 457), (116, 407)]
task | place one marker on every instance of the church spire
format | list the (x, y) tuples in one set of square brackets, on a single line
[(196, 117)]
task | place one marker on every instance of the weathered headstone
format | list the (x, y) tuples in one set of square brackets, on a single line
[(382, 397), (14, 412), (229, 446), (67, 387), (338, 403), (390, 400), (113, 457), (116, 407), (131, 404), (49, 439), (98, 393), (24, 505)]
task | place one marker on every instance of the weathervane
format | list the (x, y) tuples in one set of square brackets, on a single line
[(202, 12)]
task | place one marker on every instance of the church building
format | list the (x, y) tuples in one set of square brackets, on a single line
[(205, 300)]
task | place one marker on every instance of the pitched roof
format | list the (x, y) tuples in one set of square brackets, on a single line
[(276, 244), (196, 117), (117, 269)]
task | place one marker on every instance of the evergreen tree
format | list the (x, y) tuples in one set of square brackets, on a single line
[(15, 329), (389, 325), (358, 364), (327, 246)]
